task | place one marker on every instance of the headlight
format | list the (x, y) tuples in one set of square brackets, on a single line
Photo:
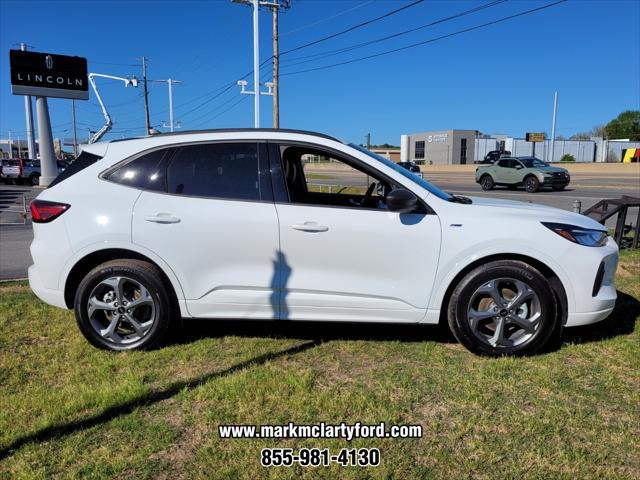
[(583, 236)]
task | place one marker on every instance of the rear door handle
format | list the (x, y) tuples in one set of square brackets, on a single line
[(162, 218), (310, 227)]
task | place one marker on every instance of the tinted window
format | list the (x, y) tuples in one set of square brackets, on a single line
[(147, 171), (83, 161), (227, 170), (505, 163)]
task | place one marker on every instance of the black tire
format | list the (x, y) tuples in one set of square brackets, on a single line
[(549, 327), (559, 187), (165, 310), (486, 182), (531, 184), (34, 180)]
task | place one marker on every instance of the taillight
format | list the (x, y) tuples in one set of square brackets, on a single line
[(20, 167), (43, 211)]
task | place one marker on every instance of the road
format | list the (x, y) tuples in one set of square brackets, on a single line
[(586, 187)]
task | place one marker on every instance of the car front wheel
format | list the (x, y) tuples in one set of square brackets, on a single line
[(124, 305), (531, 184), (504, 308), (486, 182)]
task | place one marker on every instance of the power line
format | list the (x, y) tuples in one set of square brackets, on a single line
[(354, 27), (330, 53), (242, 99), (313, 24), (431, 40)]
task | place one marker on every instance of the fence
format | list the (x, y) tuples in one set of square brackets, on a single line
[(15, 214)]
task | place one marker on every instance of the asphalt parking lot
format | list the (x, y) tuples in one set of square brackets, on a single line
[(588, 187)]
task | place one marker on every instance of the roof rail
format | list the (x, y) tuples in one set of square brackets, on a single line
[(228, 130)]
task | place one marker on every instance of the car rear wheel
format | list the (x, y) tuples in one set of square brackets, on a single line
[(504, 308), (486, 182), (34, 179), (124, 305), (531, 184)]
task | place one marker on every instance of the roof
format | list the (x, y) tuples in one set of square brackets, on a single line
[(229, 130)]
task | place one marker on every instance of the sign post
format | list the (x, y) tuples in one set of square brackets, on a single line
[(47, 75), (534, 138)]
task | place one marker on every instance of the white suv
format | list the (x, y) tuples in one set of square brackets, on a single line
[(292, 225)]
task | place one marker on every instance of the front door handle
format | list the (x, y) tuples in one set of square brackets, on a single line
[(310, 227), (162, 218)]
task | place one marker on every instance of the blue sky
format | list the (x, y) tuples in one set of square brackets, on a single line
[(498, 79)]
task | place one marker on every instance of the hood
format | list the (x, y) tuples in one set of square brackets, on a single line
[(541, 213), (552, 169)]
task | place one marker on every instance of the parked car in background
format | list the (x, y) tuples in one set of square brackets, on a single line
[(222, 224), (530, 172), (412, 167), (21, 170), (494, 155)]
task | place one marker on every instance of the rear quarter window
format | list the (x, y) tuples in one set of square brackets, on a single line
[(147, 171), (84, 160)]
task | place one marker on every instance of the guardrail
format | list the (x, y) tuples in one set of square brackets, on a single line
[(20, 210)]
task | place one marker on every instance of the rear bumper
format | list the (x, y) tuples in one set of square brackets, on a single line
[(577, 319), (47, 295)]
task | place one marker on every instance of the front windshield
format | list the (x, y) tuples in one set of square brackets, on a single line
[(533, 163), (404, 172)]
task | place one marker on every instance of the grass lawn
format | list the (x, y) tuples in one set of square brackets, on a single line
[(69, 410)]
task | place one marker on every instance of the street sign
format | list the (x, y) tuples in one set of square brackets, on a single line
[(48, 75), (534, 137)]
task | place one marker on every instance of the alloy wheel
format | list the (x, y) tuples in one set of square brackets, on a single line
[(121, 310), (504, 313)]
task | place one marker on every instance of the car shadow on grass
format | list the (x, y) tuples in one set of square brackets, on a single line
[(193, 330), (621, 322), (153, 397)]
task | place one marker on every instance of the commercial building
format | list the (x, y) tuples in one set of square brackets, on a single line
[(448, 147), (444, 147)]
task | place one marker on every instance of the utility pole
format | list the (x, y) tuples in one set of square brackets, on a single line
[(28, 110), (170, 82), (146, 95), (276, 60), (75, 133), (368, 140), (276, 66), (553, 125)]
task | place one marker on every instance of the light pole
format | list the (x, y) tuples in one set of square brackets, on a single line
[(553, 125), (256, 59), (170, 82), (31, 139)]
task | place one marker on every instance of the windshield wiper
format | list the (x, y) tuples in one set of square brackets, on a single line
[(460, 199)]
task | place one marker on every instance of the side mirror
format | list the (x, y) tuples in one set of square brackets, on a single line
[(402, 201), (518, 167)]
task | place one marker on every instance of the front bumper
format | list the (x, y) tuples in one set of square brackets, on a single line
[(557, 181), (594, 304), (47, 295)]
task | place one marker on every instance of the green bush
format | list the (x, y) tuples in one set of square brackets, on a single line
[(567, 157)]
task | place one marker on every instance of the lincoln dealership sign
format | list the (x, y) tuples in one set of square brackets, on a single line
[(48, 75)]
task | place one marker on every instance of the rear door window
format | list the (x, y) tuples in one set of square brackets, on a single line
[(219, 170)]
